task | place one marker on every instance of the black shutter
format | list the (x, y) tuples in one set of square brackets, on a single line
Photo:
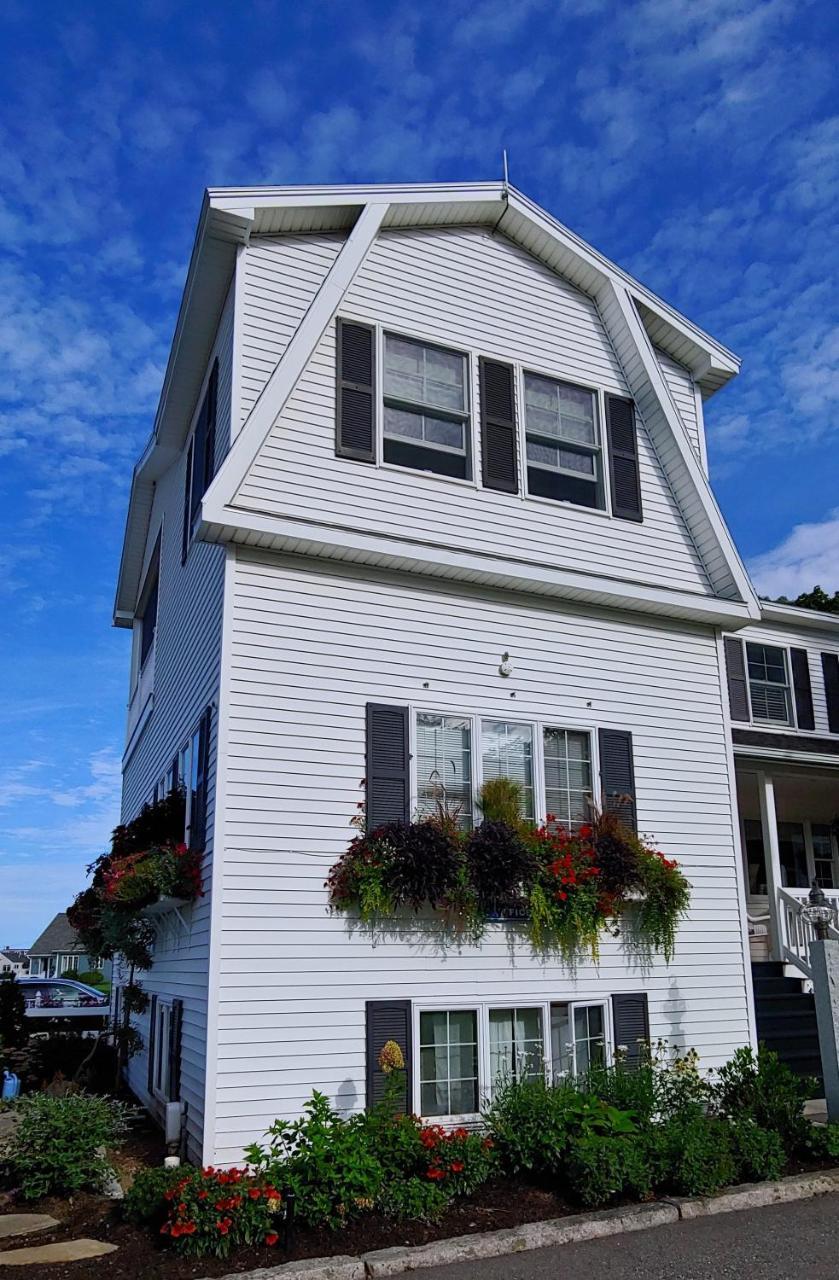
[(499, 447), (617, 775), (830, 670), (187, 518), (150, 1045), (623, 459), (735, 667), (388, 1020), (631, 1024), (199, 461), (210, 427), (176, 1019), (198, 813), (804, 717), (355, 365), (388, 765)]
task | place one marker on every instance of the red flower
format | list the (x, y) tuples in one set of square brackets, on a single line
[(436, 1173), (585, 832), (460, 1133), (223, 1225), (254, 1193), (202, 1195), (271, 1238), (457, 1166)]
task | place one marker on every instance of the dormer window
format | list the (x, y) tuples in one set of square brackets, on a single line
[(563, 442), (426, 411)]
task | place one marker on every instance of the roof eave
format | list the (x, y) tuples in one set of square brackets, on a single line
[(791, 616)]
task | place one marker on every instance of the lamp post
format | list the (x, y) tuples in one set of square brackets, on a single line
[(824, 968)]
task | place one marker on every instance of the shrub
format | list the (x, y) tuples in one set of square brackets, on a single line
[(765, 1090), (456, 1160), (145, 1200), (413, 1200), (55, 1148), (324, 1160), (209, 1212), (697, 1155), (599, 1168), (758, 1153)]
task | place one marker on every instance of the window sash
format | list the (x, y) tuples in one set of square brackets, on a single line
[(769, 683), (507, 750), (449, 1067), (572, 1055), (443, 747), (160, 1074), (516, 1045), (553, 427), (422, 395), (568, 803)]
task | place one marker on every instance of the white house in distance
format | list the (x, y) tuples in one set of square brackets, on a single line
[(405, 431), (13, 960)]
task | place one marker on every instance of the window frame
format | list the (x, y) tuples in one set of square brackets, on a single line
[(469, 357), (537, 725), (161, 1064), (603, 483), (192, 508), (791, 722), (482, 1009)]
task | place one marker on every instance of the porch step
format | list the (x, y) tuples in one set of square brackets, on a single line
[(786, 1018)]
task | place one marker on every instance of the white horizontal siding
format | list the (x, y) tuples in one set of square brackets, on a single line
[(186, 679), (309, 648), (683, 391), (478, 292), (814, 643)]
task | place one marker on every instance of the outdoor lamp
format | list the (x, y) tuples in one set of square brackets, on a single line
[(817, 911)]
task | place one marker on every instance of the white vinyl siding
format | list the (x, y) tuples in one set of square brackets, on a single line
[(309, 647), (187, 662), (472, 292), (683, 390)]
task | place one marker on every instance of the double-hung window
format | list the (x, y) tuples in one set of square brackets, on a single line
[(578, 1038), (444, 766), (426, 407), (507, 752), (564, 453), (769, 686), (568, 780)]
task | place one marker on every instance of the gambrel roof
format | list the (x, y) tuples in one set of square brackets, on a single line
[(635, 320)]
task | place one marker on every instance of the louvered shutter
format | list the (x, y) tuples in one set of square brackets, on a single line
[(187, 515), (617, 775), (150, 1045), (735, 668), (624, 470), (176, 1019), (388, 1020), (499, 446), (355, 392), (388, 765), (210, 419), (198, 814), (631, 1025), (799, 661), (199, 461), (830, 671)]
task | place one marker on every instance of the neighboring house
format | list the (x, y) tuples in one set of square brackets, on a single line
[(58, 951), (404, 432), (14, 960)]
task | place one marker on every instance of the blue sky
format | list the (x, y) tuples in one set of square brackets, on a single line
[(696, 142)]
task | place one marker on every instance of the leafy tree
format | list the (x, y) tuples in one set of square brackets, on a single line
[(13, 1032), (816, 599)]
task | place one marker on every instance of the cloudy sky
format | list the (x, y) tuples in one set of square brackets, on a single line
[(696, 142)]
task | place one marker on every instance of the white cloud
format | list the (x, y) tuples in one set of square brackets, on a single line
[(807, 557)]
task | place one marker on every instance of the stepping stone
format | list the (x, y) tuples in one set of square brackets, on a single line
[(20, 1224), (64, 1251)]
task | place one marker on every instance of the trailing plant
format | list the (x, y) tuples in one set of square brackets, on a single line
[(58, 1143), (569, 888)]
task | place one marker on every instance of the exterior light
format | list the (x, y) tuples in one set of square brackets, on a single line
[(817, 911)]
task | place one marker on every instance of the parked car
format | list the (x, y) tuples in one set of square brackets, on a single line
[(63, 998)]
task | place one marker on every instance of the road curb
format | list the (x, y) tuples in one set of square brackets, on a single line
[(574, 1229)]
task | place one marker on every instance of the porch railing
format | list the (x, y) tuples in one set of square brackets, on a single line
[(795, 932)]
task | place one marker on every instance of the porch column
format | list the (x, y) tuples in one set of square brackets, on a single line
[(772, 855)]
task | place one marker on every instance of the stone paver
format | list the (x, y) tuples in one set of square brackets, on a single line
[(64, 1251), (22, 1224)]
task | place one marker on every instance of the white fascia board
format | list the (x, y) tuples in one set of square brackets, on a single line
[(295, 358), (646, 381), (235, 200), (743, 750), (319, 538), (715, 355), (798, 619)]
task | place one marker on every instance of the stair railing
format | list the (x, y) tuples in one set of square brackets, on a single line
[(796, 933)]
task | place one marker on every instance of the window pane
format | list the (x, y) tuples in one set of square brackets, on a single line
[(398, 422), (516, 1044), (568, 786), (448, 434), (559, 409), (425, 375), (547, 455), (508, 753), (449, 1063), (444, 765), (562, 1041)]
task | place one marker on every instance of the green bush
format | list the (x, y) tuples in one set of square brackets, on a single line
[(763, 1089), (758, 1153), (600, 1168), (325, 1160), (145, 1200), (55, 1148), (413, 1200), (698, 1155)]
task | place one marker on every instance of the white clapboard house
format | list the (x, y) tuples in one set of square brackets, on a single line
[(428, 480)]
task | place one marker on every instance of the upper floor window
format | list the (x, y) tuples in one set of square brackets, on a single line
[(148, 620), (444, 766), (426, 407), (568, 780), (769, 689), (563, 442), (200, 458), (507, 752)]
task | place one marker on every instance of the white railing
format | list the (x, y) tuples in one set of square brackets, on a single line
[(796, 933)]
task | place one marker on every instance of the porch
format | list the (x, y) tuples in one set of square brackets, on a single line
[(789, 820)]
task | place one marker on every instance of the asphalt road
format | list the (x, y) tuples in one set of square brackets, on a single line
[(785, 1242)]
